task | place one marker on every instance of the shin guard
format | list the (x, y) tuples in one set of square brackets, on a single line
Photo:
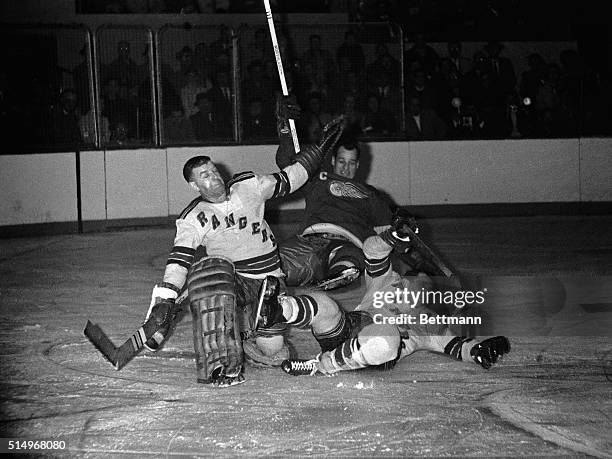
[(216, 332)]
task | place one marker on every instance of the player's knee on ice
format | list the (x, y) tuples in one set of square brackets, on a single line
[(379, 343), (270, 345)]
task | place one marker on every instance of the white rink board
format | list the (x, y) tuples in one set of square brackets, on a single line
[(596, 169), (506, 171), (136, 184), (93, 185), (38, 188)]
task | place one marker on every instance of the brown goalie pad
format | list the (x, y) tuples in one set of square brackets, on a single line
[(216, 332)]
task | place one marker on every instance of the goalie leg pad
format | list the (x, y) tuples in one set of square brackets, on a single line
[(216, 331)]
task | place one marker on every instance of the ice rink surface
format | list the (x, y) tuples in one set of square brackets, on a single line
[(549, 283)]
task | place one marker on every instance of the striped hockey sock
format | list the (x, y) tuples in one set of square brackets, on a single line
[(347, 356), (334, 337), (377, 266), (300, 310)]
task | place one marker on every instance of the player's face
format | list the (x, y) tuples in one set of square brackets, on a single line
[(207, 180), (345, 163)]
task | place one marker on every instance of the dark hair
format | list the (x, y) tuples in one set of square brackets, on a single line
[(348, 141), (191, 164)]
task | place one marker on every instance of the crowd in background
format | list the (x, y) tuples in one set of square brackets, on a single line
[(420, 95)]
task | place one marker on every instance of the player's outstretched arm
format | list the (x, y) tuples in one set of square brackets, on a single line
[(304, 164), (286, 108)]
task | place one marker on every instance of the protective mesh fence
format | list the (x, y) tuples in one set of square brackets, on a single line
[(125, 86), (330, 69), (196, 90), (211, 84), (45, 87)]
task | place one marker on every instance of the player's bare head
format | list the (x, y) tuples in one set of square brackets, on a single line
[(346, 160), (203, 176), (191, 164)]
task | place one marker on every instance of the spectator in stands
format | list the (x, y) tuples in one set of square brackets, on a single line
[(314, 119), (117, 108), (423, 124), (313, 82), (203, 121), (389, 95), (473, 79), (383, 62), (354, 84), (64, 120), (260, 48), (186, 64), (323, 70), (221, 50), (491, 103), (125, 71), (454, 49), (465, 122), (222, 104), (202, 60), (553, 115), (502, 69), (421, 87), (532, 78), (87, 126), (80, 77), (193, 86), (254, 84), (177, 128), (377, 121), (449, 88), (270, 74), (422, 53), (119, 135), (258, 124), (352, 115), (351, 50)]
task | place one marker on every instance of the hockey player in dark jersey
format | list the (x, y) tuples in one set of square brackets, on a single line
[(341, 212)]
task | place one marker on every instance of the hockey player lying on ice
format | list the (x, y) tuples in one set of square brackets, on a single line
[(358, 339)]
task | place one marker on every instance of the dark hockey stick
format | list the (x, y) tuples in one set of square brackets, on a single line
[(429, 254), (122, 355)]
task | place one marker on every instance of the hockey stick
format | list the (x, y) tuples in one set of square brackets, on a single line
[(120, 356), (427, 252), (281, 72)]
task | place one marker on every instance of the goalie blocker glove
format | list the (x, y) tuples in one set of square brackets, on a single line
[(312, 156), (160, 309)]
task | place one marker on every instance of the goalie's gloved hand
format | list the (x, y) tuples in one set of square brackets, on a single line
[(398, 235), (286, 108), (160, 310)]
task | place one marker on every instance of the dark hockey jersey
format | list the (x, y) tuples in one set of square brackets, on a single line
[(353, 205)]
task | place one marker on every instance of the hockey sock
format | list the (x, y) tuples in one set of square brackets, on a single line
[(377, 256), (334, 337), (299, 310), (347, 356), (377, 266)]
